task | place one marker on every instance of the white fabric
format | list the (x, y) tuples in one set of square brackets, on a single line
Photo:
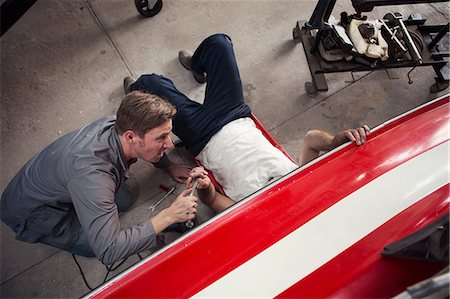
[(242, 159), (379, 50)]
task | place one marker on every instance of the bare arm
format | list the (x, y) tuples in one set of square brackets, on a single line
[(184, 208), (316, 141), (206, 191), (216, 201)]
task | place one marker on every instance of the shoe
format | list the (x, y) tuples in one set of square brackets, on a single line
[(127, 82), (185, 57)]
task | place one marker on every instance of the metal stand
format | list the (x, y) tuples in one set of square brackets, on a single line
[(421, 44)]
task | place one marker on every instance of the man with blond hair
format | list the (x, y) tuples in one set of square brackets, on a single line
[(70, 194)]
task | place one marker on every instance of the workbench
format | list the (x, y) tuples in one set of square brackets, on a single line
[(426, 45)]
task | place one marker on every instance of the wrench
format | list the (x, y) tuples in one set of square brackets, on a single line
[(190, 223), (194, 186), (153, 207)]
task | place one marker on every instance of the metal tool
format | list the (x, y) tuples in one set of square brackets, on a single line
[(394, 39), (153, 207), (190, 223), (396, 19), (194, 186)]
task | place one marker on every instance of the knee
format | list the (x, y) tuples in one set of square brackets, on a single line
[(149, 79), (224, 38), (220, 39), (150, 83)]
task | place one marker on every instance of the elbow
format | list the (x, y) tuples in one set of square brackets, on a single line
[(107, 256), (311, 136)]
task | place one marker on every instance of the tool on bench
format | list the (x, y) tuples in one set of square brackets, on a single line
[(396, 19), (170, 191), (401, 50)]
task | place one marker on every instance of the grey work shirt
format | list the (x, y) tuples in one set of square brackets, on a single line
[(73, 182)]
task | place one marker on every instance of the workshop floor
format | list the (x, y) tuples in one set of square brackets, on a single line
[(62, 66)]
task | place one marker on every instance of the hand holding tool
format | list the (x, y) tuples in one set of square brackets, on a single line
[(190, 223)]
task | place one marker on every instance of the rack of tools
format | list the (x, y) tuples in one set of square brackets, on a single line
[(353, 43)]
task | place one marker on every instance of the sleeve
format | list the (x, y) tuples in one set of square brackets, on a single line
[(93, 198)]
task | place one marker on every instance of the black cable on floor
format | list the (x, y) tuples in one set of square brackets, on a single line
[(112, 268), (108, 268), (82, 273)]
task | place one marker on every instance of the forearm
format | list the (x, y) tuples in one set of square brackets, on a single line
[(315, 142), (221, 202), (216, 201), (161, 221), (319, 140)]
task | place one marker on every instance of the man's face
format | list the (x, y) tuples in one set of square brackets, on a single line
[(155, 142)]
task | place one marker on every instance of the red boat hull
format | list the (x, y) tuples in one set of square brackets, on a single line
[(320, 231)]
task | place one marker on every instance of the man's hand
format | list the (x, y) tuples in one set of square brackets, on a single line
[(358, 136), (184, 208), (178, 172), (201, 175), (207, 192)]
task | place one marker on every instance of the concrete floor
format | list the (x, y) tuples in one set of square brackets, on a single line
[(62, 66)]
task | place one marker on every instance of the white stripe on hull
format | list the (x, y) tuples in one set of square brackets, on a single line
[(336, 229)]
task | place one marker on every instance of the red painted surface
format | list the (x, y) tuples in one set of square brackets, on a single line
[(361, 272), (238, 235)]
